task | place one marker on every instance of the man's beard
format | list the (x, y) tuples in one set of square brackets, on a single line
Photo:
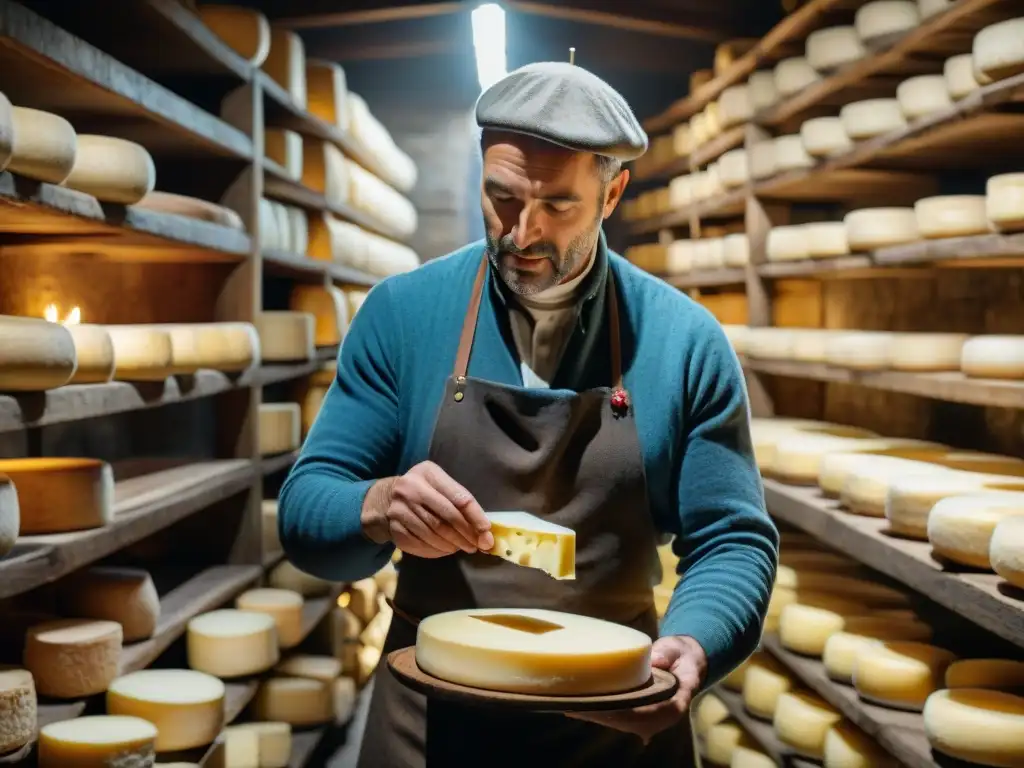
[(529, 282)]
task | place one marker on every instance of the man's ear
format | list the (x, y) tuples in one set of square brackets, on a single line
[(613, 193)]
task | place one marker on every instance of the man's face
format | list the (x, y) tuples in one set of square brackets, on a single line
[(543, 206)]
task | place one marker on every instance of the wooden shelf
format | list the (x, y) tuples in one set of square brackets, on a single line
[(676, 167), (730, 204), (305, 269), (282, 461), (979, 250), (760, 731), (818, 268), (707, 278), (712, 150), (982, 598), (143, 505)]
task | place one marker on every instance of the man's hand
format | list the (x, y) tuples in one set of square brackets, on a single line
[(684, 658), (426, 513)]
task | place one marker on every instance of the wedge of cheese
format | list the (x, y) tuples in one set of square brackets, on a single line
[(526, 539)]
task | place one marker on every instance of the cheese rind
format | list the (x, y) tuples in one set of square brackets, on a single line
[(900, 675), (125, 595), (993, 357), (977, 726), (871, 228), (846, 746), (989, 674), (528, 540), (35, 355), (872, 117), (294, 700), (960, 527), (112, 170), (70, 658), (274, 742), (231, 643), (141, 352), (95, 353), (1006, 551), (100, 740), (17, 709), (283, 605), (44, 145), (1004, 202), (286, 337), (60, 495), (951, 216)]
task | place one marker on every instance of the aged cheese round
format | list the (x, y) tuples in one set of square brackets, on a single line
[(325, 668), (239, 747), (722, 740), (533, 651), (286, 63), (923, 95), (788, 243), (765, 680), (993, 357), (141, 352), (709, 254), (70, 658), (1004, 202), (989, 674), (44, 145), (10, 516), (790, 153), (885, 17), (951, 216), (839, 656), (900, 675), (826, 239), (327, 92), (797, 459), (1006, 551), (59, 495), (761, 161), (735, 106), (17, 709), (958, 72), (763, 93), (328, 306), (229, 643), (280, 428), (770, 343), (862, 350), (868, 483), (793, 75), (112, 170), (872, 117), (997, 51), (98, 740), (295, 700), (245, 31), (960, 527), (95, 353), (736, 250), (286, 337), (35, 355), (331, 239), (801, 722), (929, 8), (274, 742), (825, 137), (927, 352), (284, 147), (833, 47), (750, 757), (710, 711), (327, 171), (228, 347), (836, 468), (909, 502), (191, 207), (804, 627), (871, 228), (287, 576), (846, 746), (125, 595), (977, 726), (186, 706), (283, 605), (733, 169), (371, 195)]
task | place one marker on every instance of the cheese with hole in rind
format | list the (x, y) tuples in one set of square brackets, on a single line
[(44, 145), (35, 355), (722, 740), (839, 656), (1006, 551), (958, 72), (528, 540), (6, 131), (909, 502), (885, 17), (70, 658), (283, 605), (280, 428), (17, 709), (977, 726), (872, 117), (825, 137), (230, 643), (826, 239), (927, 352), (923, 95), (790, 153), (286, 63), (801, 722), (871, 228), (271, 536), (788, 243), (793, 75), (10, 515), (733, 169), (763, 93), (187, 707), (533, 651), (862, 350), (284, 147), (286, 337), (141, 352), (989, 674), (287, 576), (951, 216), (125, 595), (274, 742), (325, 668), (833, 47), (735, 106), (764, 681), (960, 527), (761, 162), (325, 170), (1004, 202), (327, 92), (298, 701), (328, 306), (997, 51), (846, 746), (868, 483), (993, 357), (95, 353), (245, 31), (192, 208), (60, 495), (710, 711), (111, 741), (900, 675), (112, 170)]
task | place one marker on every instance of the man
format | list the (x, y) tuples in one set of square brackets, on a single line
[(539, 371)]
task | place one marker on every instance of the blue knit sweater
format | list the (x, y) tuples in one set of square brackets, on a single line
[(690, 407)]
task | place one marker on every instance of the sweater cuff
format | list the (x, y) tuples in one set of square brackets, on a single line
[(713, 634)]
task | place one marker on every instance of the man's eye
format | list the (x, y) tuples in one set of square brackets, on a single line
[(559, 207), (502, 198)]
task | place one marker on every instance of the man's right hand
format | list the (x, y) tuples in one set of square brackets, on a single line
[(426, 513)]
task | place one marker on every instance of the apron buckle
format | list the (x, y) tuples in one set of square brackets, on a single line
[(460, 383)]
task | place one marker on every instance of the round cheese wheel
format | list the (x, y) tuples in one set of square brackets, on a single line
[(788, 243), (871, 228), (294, 700), (846, 746), (709, 254), (801, 722), (735, 106), (748, 757), (960, 527), (287, 576), (862, 350), (900, 675), (910, 501), (826, 239), (328, 306), (95, 353), (283, 605), (793, 75), (141, 352), (997, 52), (769, 343), (376, 198), (326, 668), (885, 17), (59, 495), (1004, 202), (993, 357), (733, 169), (112, 170), (790, 153), (286, 337), (284, 147), (763, 93), (191, 207), (958, 72), (978, 726), (1006, 551), (833, 47), (274, 742), (107, 740), (761, 160), (44, 145), (825, 137), (797, 459), (710, 712), (533, 651), (10, 516), (868, 483), (280, 428), (35, 355), (722, 740), (989, 674), (835, 467), (872, 117), (810, 345), (245, 31), (839, 656), (228, 347), (125, 595), (804, 627), (736, 249), (17, 709), (923, 95), (229, 643), (951, 216), (70, 658), (927, 352)]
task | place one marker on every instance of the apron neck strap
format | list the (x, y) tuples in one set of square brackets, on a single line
[(473, 312)]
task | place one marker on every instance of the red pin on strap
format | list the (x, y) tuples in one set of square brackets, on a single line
[(620, 401)]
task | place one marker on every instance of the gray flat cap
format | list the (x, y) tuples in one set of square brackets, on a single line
[(565, 105)]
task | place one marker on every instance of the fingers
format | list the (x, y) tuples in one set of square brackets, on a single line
[(471, 512), (406, 516), (451, 523)]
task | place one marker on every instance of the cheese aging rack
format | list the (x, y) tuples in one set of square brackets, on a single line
[(190, 214)]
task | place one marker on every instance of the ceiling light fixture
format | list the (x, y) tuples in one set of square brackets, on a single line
[(489, 43)]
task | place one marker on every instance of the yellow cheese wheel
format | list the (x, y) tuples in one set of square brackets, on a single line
[(329, 308), (867, 484), (44, 145), (765, 680), (245, 31), (141, 352), (909, 502), (295, 700), (95, 353), (734, 680), (835, 466), (72, 658), (286, 63), (97, 740), (35, 355), (1006, 550), (17, 709), (960, 527), (846, 746), (900, 675), (327, 92), (125, 595), (804, 627), (274, 742), (231, 643), (709, 712), (802, 720), (990, 674), (112, 170), (839, 655), (280, 428), (59, 495), (978, 726), (283, 605)]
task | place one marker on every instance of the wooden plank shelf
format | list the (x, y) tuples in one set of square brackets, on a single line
[(707, 278), (143, 505), (48, 68), (712, 150), (982, 598), (818, 268), (305, 269), (730, 204), (899, 733), (675, 167), (760, 731), (979, 250), (278, 463)]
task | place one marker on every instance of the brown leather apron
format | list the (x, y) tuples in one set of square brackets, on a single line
[(570, 458)]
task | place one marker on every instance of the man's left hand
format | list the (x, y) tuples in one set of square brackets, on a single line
[(684, 658)]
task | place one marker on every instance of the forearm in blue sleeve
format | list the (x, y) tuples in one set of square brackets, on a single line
[(353, 442)]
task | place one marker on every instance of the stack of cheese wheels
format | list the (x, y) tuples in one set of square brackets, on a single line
[(996, 51), (112, 170), (43, 145), (97, 740), (10, 515), (764, 680), (95, 352), (327, 93), (232, 643), (870, 228), (60, 495), (124, 595), (802, 720), (35, 355), (268, 745), (909, 501), (328, 306), (993, 357), (192, 208), (960, 527), (1004, 202), (846, 746), (245, 31), (286, 337), (18, 710), (283, 605), (280, 428), (389, 161), (71, 658), (900, 675)]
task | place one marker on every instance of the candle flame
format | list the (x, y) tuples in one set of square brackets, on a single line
[(52, 314)]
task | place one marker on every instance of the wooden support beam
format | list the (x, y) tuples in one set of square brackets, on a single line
[(367, 14)]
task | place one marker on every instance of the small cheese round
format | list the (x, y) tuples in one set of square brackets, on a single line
[(283, 605), (98, 740), (960, 527), (927, 352), (44, 145), (872, 117), (900, 675), (761, 161), (274, 742), (825, 137), (125, 595), (735, 106), (993, 357), (868, 484), (826, 239), (229, 643), (35, 355), (833, 47), (839, 656), (763, 93), (836, 467), (1006, 551), (788, 243), (95, 353), (286, 337), (810, 345), (733, 168), (722, 740), (245, 31), (909, 501), (871, 228), (141, 352), (737, 250), (10, 516), (923, 95), (112, 170), (989, 674), (862, 350), (750, 757), (805, 627), (60, 495), (710, 711), (325, 668), (958, 72), (846, 746), (295, 700), (765, 680), (770, 343), (228, 347), (186, 706), (977, 726), (1004, 202), (793, 75), (997, 51), (885, 17), (70, 658), (951, 216), (280, 428), (17, 709), (790, 153), (801, 722)]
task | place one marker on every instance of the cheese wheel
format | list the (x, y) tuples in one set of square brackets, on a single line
[(709, 254), (826, 239), (95, 353), (989, 674), (748, 757), (868, 483), (871, 228), (286, 64), (997, 51), (735, 106), (10, 516), (960, 527), (788, 243), (283, 605), (763, 93), (328, 306), (797, 459), (287, 576), (311, 404), (993, 357), (141, 352), (344, 692), (846, 746), (325, 668), (229, 643), (17, 709), (862, 350), (733, 169), (386, 257), (825, 137), (237, 747), (710, 711), (43, 147), (734, 680), (929, 8), (927, 352), (372, 196), (325, 170), (331, 239), (280, 428), (761, 162), (885, 17), (35, 355), (295, 700), (274, 742), (736, 250), (802, 721), (793, 75), (872, 117), (124, 595), (228, 347), (835, 467), (951, 216), (909, 502), (900, 675), (327, 92), (764, 682), (805, 627), (978, 726), (1006, 551), (112, 170), (245, 31), (839, 656), (284, 147), (923, 95), (790, 153), (533, 651), (98, 740), (70, 658), (286, 337), (1004, 202), (191, 207), (958, 72), (60, 495), (722, 740), (833, 47)]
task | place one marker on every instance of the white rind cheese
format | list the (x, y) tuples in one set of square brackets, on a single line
[(125, 595), (839, 655), (297, 701), (10, 515), (825, 137), (977, 726), (960, 527), (286, 337), (832, 47), (862, 350), (229, 643), (993, 357), (761, 161), (826, 239), (802, 720), (871, 228), (909, 501), (17, 709), (885, 17), (733, 169), (71, 658), (44, 145), (95, 352), (274, 742), (1006, 550), (951, 216), (375, 198), (110, 741), (763, 93), (923, 95), (245, 31), (527, 540), (141, 352), (869, 482), (735, 106), (60, 495), (793, 75), (1004, 202), (788, 243), (997, 51), (35, 355), (112, 170), (927, 352), (283, 605), (227, 347), (280, 426), (900, 675), (958, 72), (736, 250), (872, 117), (790, 153)]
